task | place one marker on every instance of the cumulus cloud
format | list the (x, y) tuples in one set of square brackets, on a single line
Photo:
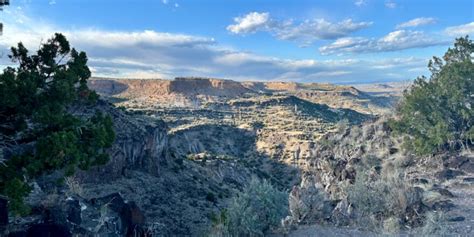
[(461, 30), (360, 3), (250, 23), (417, 22), (312, 30), (305, 32), (396, 40), (152, 54)]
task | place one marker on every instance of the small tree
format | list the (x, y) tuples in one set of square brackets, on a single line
[(38, 132), (438, 114)]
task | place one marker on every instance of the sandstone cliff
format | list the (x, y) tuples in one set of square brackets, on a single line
[(195, 92)]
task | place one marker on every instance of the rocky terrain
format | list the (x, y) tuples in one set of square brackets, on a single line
[(153, 185), (185, 147), (196, 92), (330, 193)]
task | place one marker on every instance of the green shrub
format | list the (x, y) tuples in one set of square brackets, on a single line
[(252, 212), (36, 122), (382, 201), (438, 113)]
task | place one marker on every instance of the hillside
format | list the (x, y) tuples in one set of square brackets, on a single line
[(195, 92)]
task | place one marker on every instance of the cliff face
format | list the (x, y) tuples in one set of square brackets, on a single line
[(181, 92), (186, 86), (210, 87), (139, 145), (195, 92)]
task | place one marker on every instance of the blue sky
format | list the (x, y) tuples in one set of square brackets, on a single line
[(340, 41)]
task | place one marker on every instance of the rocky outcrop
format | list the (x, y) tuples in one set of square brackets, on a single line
[(3, 212), (207, 86), (156, 183), (223, 140), (346, 168), (195, 92), (139, 145)]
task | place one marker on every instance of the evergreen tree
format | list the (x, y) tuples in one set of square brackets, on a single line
[(38, 132), (437, 113)]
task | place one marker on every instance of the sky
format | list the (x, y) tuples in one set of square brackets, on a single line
[(338, 41)]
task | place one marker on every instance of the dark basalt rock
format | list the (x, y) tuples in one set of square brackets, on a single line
[(114, 201), (468, 167), (133, 220), (47, 230), (73, 209), (444, 205), (443, 191), (457, 218), (455, 162), (3, 212), (448, 174), (393, 150), (419, 181), (468, 180), (17, 234)]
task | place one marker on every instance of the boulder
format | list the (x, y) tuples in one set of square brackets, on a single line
[(468, 167), (447, 174), (133, 219), (3, 212), (455, 162), (443, 191), (113, 201), (468, 180), (456, 218), (73, 209), (436, 201), (48, 230)]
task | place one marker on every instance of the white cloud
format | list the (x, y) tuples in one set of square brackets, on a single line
[(360, 3), (164, 1), (305, 33), (52, 2), (312, 30), (390, 4), (396, 40), (152, 54), (117, 39), (460, 30), (249, 23), (417, 22)]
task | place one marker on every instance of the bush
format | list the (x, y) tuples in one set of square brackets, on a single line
[(384, 201), (252, 212), (435, 225), (438, 114)]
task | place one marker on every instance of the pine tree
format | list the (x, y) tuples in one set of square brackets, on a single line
[(38, 132), (438, 113)]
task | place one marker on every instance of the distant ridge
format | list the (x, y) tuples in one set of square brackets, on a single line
[(195, 91)]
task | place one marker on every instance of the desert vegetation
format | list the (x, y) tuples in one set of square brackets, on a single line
[(371, 172), (256, 210), (437, 113), (41, 128), (265, 159)]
